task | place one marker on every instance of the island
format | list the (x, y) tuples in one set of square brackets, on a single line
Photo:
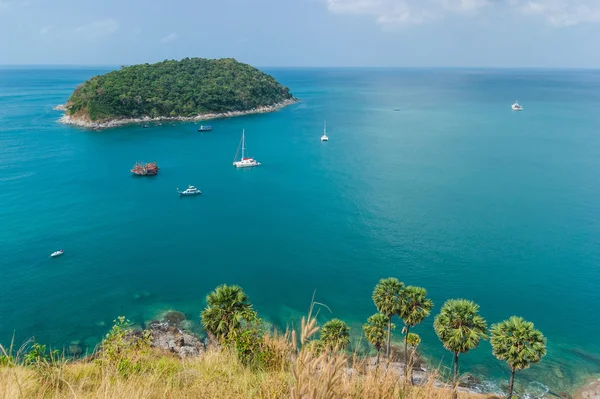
[(190, 89)]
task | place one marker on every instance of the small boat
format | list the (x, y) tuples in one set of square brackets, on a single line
[(57, 253), (206, 128), (324, 136), (191, 190), (244, 162), (517, 107), (142, 169), (145, 126)]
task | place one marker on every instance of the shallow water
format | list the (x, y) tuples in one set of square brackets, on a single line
[(428, 176)]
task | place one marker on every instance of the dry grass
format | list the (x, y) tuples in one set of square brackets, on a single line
[(294, 372)]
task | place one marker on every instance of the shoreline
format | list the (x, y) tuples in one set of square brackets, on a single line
[(69, 120)]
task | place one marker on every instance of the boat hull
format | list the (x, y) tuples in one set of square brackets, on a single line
[(182, 194), (241, 164)]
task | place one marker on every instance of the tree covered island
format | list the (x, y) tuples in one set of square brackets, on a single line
[(193, 88)]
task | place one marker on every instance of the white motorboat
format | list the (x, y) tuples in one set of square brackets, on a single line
[(517, 107), (57, 253), (324, 136), (244, 162), (191, 190)]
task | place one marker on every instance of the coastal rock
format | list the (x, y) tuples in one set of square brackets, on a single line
[(60, 107), (75, 348), (167, 336), (70, 120), (174, 317), (590, 391)]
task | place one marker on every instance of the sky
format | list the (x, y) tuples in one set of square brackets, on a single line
[(377, 33)]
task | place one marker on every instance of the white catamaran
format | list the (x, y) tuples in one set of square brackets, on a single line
[(244, 162), (324, 136)]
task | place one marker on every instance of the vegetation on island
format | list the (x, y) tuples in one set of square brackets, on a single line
[(244, 358), (186, 88)]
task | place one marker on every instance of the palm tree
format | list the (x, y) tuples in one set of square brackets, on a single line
[(375, 332), (413, 340), (519, 344), (414, 308), (227, 309), (387, 299), (335, 335), (460, 327)]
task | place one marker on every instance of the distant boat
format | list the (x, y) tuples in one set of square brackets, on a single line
[(57, 253), (517, 107), (244, 162), (324, 136), (145, 126), (191, 190), (142, 169), (206, 128)]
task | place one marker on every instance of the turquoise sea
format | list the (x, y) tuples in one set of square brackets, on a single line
[(428, 176)]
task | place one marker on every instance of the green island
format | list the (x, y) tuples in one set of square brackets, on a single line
[(244, 357), (193, 88)]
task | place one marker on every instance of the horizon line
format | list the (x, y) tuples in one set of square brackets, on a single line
[(5, 66)]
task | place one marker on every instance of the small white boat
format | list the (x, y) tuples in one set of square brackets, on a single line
[(57, 253), (324, 136), (517, 107), (191, 190), (244, 162)]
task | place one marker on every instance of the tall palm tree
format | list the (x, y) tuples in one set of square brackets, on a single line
[(414, 308), (460, 327), (386, 297), (375, 332), (227, 309), (519, 344), (335, 335)]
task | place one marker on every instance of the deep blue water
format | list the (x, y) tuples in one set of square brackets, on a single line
[(428, 176)]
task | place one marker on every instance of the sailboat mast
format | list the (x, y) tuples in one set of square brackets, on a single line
[(243, 143), (325, 128)]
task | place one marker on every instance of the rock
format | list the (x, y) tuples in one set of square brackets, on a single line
[(557, 372), (166, 336), (468, 381), (590, 391), (75, 348), (174, 317)]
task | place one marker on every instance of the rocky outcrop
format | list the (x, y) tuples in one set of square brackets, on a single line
[(80, 122), (165, 335), (590, 391)]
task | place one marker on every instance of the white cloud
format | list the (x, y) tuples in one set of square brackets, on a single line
[(407, 12), (169, 38), (45, 30), (100, 28), (562, 12)]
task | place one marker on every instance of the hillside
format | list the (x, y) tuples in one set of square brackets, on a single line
[(186, 88)]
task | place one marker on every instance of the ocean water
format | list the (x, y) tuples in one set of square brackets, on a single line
[(428, 176)]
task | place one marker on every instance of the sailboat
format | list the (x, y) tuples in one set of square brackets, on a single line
[(244, 162), (324, 136)]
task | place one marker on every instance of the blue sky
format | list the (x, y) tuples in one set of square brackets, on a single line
[(486, 33)]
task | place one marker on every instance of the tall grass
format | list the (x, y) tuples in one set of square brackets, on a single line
[(296, 369)]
